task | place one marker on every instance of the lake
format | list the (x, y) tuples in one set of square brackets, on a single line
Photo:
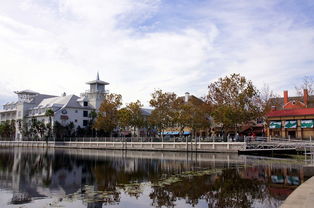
[(35, 177)]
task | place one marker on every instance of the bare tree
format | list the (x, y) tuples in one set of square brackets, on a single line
[(268, 99), (308, 83)]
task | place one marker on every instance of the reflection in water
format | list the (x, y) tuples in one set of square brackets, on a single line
[(100, 178)]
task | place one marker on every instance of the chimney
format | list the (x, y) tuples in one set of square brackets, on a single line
[(306, 97), (186, 98), (285, 97)]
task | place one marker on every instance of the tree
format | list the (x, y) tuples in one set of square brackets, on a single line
[(183, 115), (136, 117), (41, 128), (194, 114), (7, 129), (234, 101), (124, 118), (107, 118), (308, 83), (50, 113), (93, 116), (163, 114), (23, 128), (200, 112), (267, 99), (33, 128)]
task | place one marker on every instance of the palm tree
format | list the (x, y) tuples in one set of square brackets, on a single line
[(50, 113)]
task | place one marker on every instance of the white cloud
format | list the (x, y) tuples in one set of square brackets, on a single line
[(57, 46)]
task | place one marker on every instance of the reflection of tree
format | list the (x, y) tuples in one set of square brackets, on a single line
[(226, 190), (162, 197), (47, 166), (230, 190), (190, 188), (6, 162), (98, 182)]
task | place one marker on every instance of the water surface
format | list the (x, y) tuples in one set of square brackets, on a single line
[(33, 177)]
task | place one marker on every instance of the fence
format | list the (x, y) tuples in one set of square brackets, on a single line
[(136, 139)]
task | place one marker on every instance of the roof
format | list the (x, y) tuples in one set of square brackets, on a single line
[(62, 101), (97, 81), (146, 111), (291, 112), (193, 99), (280, 101), (40, 97), (26, 92)]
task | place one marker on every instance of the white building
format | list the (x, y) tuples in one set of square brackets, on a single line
[(67, 108)]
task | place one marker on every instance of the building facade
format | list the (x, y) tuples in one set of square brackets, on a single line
[(293, 119), (67, 108)]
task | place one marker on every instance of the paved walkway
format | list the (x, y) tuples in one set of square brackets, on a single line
[(302, 197)]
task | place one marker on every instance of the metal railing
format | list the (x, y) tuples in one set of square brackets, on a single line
[(134, 139)]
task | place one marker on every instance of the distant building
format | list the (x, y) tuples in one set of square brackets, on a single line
[(293, 118), (67, 108), (176, 129)]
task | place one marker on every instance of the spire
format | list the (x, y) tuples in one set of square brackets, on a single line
[(97, 78)]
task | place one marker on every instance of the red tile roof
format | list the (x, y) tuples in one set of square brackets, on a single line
[(291, 112)]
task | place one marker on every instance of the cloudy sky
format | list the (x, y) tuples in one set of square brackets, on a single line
[(55, 46)]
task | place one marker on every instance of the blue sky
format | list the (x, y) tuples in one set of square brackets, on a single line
[(141, 45)]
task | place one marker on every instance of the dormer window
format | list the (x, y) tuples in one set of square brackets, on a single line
[(85, 103)]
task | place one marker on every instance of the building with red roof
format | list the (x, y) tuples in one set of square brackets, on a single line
[(294, 119)]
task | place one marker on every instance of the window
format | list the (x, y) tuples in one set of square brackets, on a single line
[(85, 113), (85, 103), (75, 120), (85, 122), (75, 111)]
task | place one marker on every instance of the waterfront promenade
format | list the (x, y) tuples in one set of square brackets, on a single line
[(302, 197)]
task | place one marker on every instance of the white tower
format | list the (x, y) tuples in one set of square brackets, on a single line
[(96, 93)]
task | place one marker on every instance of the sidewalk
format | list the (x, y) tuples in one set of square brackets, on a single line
[(302, 197)]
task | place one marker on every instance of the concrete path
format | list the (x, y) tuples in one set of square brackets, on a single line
[(302, 197)]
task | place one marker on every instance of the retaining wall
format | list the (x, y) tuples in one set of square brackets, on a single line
[(152, 146)]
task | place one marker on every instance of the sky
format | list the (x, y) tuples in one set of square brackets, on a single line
[(138, 46)]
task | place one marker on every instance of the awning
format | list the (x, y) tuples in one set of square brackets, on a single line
[(275, 125), (290, 124), (307, 123), (170, 133), (175, 133)]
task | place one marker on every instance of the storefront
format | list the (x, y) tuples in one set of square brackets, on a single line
[(297, 123)]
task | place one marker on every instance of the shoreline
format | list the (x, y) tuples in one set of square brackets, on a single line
[(210, 147)]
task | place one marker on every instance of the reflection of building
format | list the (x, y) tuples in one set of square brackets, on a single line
[(281, 180), (67, 108), (295, 119)]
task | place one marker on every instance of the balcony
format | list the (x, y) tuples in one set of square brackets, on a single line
[(97, 91)]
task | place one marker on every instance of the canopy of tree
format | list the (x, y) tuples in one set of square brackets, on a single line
[(234, 101), (131, 116), (107, 118)]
